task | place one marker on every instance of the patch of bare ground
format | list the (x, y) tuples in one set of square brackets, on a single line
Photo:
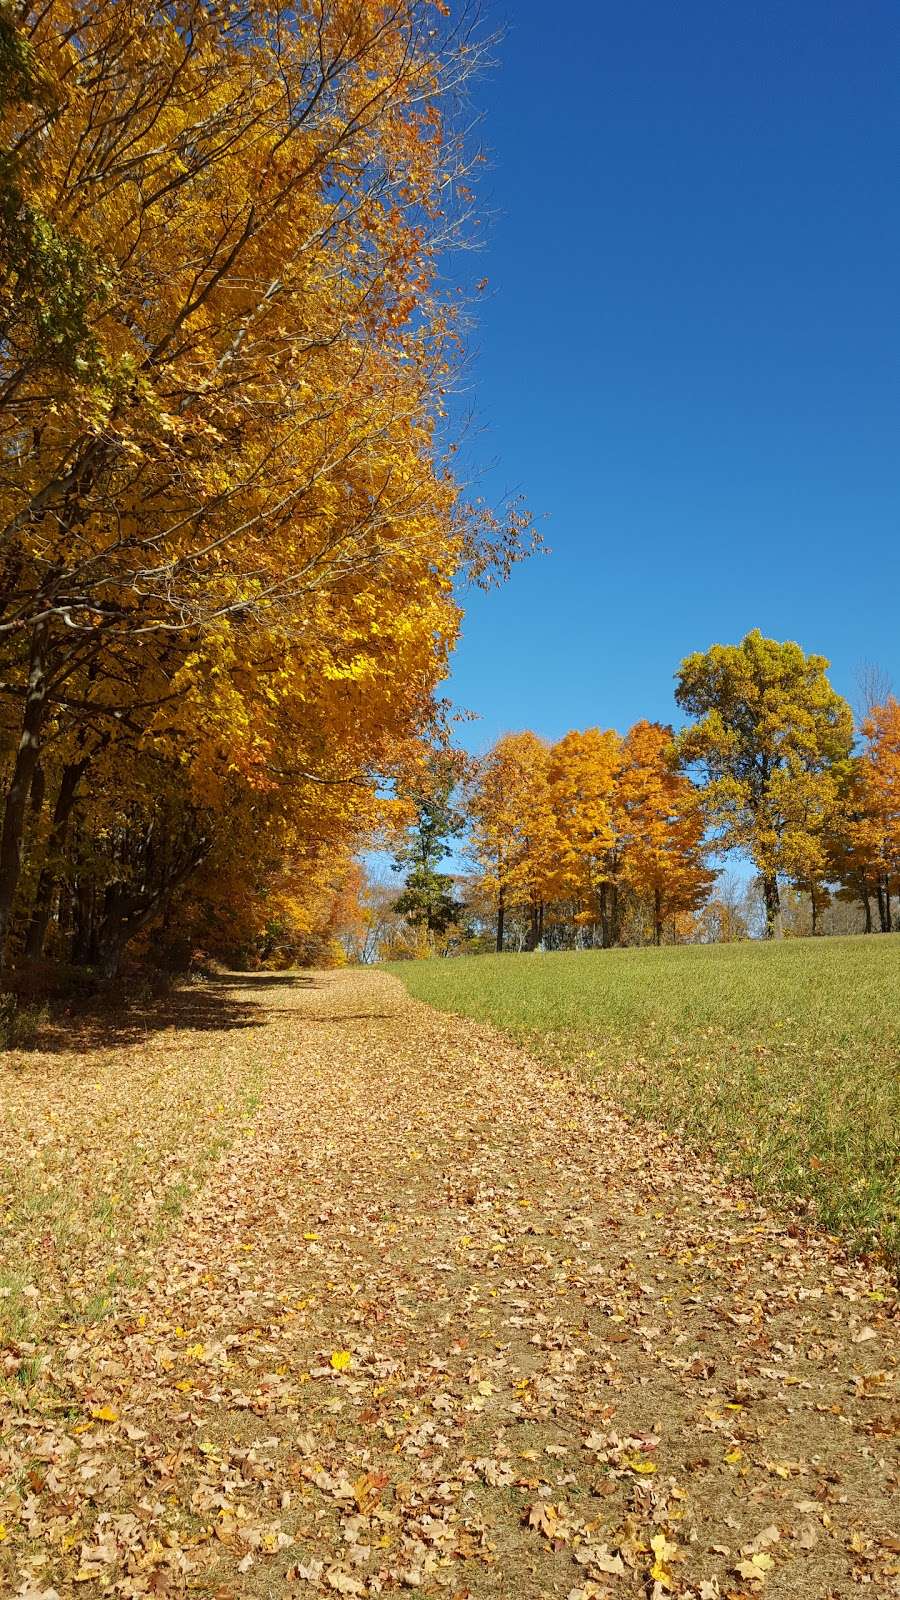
[(440, 1321)]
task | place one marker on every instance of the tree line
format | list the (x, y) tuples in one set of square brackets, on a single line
[(600, 839), (229, 528)]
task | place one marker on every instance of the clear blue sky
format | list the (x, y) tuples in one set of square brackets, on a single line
[(689, 356)]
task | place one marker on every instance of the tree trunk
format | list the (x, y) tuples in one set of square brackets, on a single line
[(882, 907), (604, 916), (62, 811), (83, 924), (501, 912), (814, 908), (20, 783), (773, 906), (887, 906), (125, 911), (657, 917), (867, 904)]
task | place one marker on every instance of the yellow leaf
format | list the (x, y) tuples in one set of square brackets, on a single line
[(545, 1518), (637, 1464), (756, 1566), (104, 1414), (734, 1455), (341, 1360), (663, 1548)]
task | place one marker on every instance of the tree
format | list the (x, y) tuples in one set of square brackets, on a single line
[(880, 794), (863, 836), (228, 529), (432, 821), (583, 773), (770, 736), (514, 835), (726, 916), (427, 900), (851, 841), (662, 826), (808, 803)]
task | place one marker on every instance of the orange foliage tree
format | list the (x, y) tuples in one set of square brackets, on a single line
[(584, 772), (866, 837), (564, 833), (229, 532), (663, 826), (514, 834)]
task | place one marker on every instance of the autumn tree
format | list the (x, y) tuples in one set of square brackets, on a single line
[(851, 842), (867, 849), (583, 773), (226, 513), (514, 835), (809, 802), (662, 825), (769, 736)]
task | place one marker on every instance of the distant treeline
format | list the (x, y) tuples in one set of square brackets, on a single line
[(601, 839)]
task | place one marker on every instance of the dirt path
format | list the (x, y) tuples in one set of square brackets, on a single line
[(440, 1321)]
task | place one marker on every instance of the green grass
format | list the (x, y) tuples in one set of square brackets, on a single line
[(783, 1059)]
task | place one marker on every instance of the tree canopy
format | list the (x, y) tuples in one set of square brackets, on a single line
[(770, 734), (230, 534)]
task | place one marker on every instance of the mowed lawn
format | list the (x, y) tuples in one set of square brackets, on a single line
[(783, 1059)]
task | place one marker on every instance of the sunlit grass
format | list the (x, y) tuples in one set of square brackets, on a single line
[(784, 1059)]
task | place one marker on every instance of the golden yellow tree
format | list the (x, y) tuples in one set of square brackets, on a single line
[(514, 836), (226, 515), (584, 768), (769, 736)]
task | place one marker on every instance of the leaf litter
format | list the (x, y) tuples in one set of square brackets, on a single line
[(439, 1320)]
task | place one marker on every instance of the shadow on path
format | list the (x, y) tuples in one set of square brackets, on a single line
[(264, 980), (124, 1015)]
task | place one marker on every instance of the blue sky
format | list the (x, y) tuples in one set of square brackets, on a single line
[(688, 359)]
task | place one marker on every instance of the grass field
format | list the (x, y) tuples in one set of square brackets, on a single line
[(783, 1059)]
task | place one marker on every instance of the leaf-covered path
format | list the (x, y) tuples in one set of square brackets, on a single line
[(439, 1321)]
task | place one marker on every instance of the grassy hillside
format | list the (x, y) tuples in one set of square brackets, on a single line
[(784, 1059)]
